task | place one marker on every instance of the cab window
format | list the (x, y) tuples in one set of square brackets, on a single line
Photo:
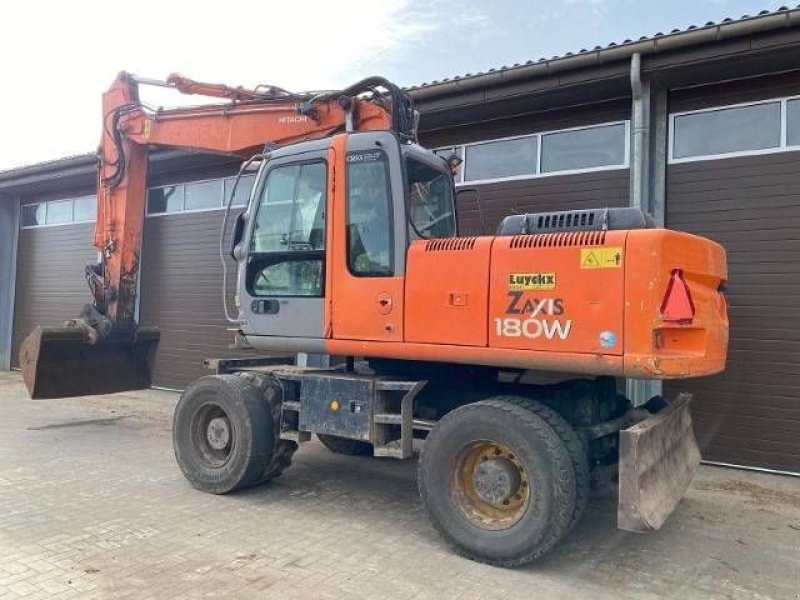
[(430, 200), (288, 241), (369, 214)]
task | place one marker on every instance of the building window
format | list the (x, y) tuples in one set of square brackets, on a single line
[(202, 195), (501, 159), (793, 122), (242, 190), (738, 130), (723, 131), (59, 212), (582, 149), (85, 209), (211, 194), (33, 214), (167, 199)]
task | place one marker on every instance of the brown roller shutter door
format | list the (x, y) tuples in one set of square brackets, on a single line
[(50, 286), (749, 415), (181, 293), (599, 189)]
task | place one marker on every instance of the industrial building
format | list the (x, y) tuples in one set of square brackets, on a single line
[(699, 127)]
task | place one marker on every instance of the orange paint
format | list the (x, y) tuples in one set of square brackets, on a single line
[(586, 302)]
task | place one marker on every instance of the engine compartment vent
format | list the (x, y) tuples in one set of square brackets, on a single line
[(459, 243), (546, 240), (597, 219)]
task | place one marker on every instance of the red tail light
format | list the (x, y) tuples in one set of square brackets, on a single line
[(677, 305)]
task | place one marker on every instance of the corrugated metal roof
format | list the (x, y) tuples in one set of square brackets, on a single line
[(47, 165), (675, 33)]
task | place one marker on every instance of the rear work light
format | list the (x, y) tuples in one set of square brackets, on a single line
[(677, 305)]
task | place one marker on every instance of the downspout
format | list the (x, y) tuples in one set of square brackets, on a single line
[(638, 136), (637, 390)]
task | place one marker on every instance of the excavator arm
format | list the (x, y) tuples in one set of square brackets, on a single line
[(103, 350)]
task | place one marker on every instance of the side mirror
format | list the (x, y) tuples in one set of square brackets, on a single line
[(238, 233)]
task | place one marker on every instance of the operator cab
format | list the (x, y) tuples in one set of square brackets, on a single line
[(325, 220), (430, 193)]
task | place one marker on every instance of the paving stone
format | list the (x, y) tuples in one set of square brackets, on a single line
[(99, 511)]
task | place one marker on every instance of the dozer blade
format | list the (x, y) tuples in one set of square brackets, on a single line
[(58, 362), (657, 459)]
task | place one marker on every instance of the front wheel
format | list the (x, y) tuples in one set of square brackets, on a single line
[(226, 435), (498, 481)]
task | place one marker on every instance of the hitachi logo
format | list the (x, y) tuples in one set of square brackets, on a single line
[(293, 119), (520, 282)]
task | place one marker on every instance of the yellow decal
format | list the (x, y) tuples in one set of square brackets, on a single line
[(520, 282), (601, 258), (146, 131)]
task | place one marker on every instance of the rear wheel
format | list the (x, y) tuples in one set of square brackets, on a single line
[(498, 482), (575, 446), (341, 445)]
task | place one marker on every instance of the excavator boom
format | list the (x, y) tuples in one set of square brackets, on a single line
[(103, 350)]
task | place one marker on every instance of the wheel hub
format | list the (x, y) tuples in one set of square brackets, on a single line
[(218, 433), (491, 485), (496, 480)]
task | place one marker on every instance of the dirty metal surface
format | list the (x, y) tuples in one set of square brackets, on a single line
[(59, 362), (657, 459)]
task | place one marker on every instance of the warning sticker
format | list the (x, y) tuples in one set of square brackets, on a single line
[(601, 258)]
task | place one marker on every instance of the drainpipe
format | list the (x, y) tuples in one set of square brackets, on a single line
[(638, 136), (637, 390)]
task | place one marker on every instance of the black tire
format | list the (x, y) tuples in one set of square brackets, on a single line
[(577, 451), (341, 445), (272, 392), (543, 458), (237, 407)]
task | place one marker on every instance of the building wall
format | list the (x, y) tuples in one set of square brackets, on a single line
[(750, 414), (481, 206), (181, 294), (9, 227), (50, 286)]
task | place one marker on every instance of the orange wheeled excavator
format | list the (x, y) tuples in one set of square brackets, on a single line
[(349, 247)]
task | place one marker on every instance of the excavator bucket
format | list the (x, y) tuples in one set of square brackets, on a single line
[(657, 459), (58, 362)]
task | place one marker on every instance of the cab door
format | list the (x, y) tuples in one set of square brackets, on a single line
[(369, 239), (283, 286)]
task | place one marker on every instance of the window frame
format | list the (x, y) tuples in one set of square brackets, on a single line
[(46, 203), (219, 180), (182, 186), (783, 146), (274, 256), (223, 199), (463, 165), (462, 148), (390, 208)]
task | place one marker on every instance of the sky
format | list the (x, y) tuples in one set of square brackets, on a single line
[(57, 57)]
